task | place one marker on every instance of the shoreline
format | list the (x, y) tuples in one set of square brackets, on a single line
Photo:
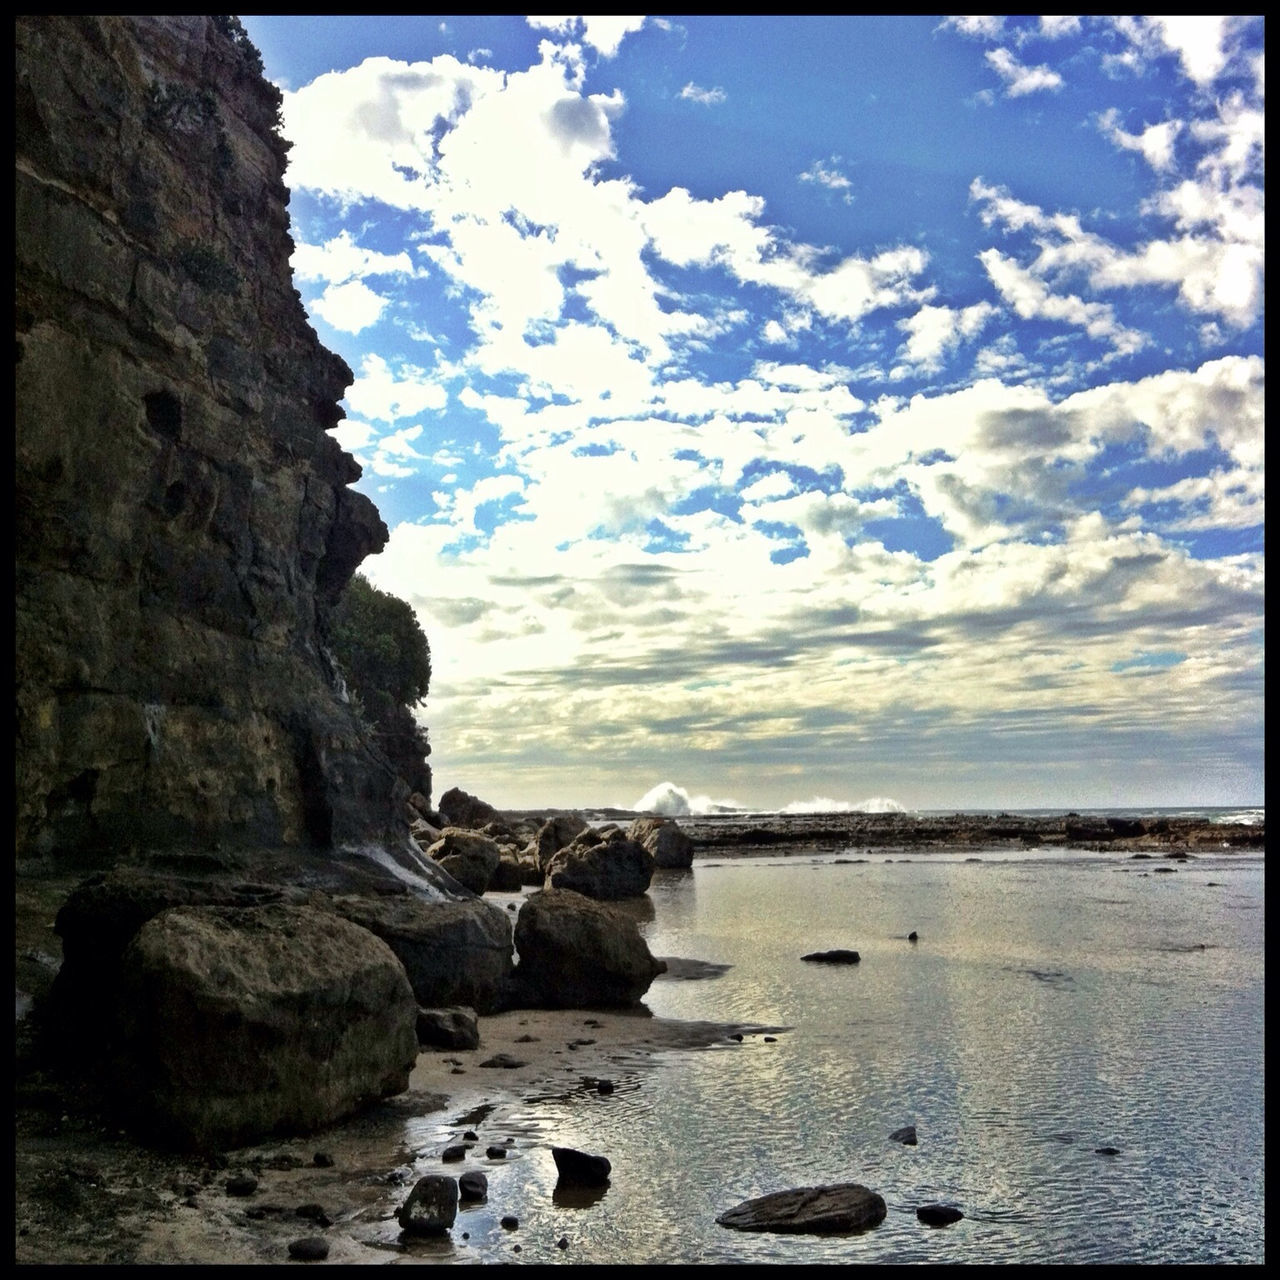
[(88, 1194)]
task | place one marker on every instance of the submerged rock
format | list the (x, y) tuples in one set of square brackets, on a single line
[(839, 1207)]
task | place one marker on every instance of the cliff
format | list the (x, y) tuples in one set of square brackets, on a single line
[(184, 523)]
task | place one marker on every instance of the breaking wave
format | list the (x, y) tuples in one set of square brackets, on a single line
[(673, 801)]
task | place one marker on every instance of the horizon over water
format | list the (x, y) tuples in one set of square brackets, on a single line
[(672, 801)]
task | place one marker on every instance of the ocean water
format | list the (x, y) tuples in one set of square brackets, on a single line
[(1053, 1004)]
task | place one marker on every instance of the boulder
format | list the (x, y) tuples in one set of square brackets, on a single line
[(104, 913), (508, 875), (473, 1185), (431, 1207), (580, 1169), (454, 1028), (459, 809), (238, 1023), (906, 1135), (579, 953), (469, 857), (671, 847), (455, 953), (558, 831), (823, 1210), (609, 869)]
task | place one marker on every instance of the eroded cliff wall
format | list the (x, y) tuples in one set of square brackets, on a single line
[(183, 520)]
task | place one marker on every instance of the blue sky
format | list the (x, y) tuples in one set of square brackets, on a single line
[(804, 411)]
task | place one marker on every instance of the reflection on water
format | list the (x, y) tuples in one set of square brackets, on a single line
[(1047, 1011)]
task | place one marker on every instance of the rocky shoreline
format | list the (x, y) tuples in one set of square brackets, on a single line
[(1170, 836), (88, 1192)]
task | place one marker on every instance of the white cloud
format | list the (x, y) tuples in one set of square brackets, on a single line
[(935, 331), (1055, 26), (341, 259), (705, 97), (350, 307), (827, 175), (386, 394), (1031, 298), (1021, 80), (603, 32), (1155, 142), (978, 26)]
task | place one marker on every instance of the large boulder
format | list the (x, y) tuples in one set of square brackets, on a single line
[(468, 856), (578, 953), (104, 913), (455, 953), (239, 1023), (670, 846), (605, 868)]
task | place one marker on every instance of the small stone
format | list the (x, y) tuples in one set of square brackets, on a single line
[(473, 1186), (458, 1152), (906, 1135), (510, 1222), (496, 1153), (314, 1213), (771, 1039), (1106, 1151), (471, 1136), (309, 1249), (563, 1242), (604, 1086), (913, 936)]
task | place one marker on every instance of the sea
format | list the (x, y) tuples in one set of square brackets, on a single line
[(1076, 1037)]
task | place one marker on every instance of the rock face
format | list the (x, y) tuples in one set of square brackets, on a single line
[(846, 1206), (184, 523), (578, 953), (238, 1022)]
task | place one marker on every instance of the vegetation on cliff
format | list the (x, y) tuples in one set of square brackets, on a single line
[(386, 660)]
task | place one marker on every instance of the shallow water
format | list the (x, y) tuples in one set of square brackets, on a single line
[(1052, 1005)]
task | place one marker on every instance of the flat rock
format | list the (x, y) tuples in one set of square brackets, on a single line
[(840, 1207), (838, 956)]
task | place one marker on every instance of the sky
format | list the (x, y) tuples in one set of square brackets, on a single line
[(803, 412)]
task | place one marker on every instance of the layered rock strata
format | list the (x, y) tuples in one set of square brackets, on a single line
[(184, 521)]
